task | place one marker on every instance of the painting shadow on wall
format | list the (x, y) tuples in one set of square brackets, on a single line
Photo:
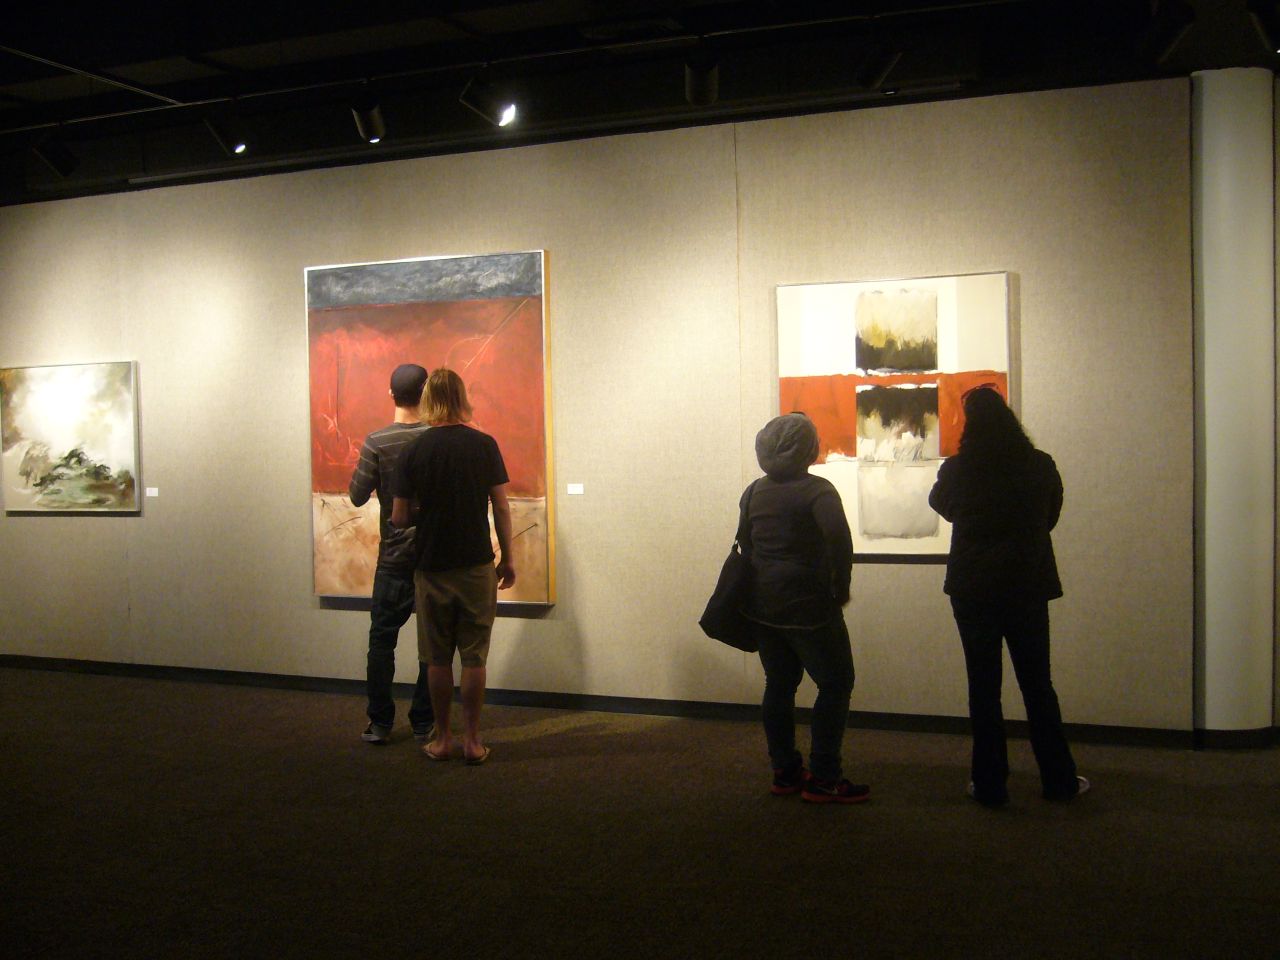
[(1015, 342)]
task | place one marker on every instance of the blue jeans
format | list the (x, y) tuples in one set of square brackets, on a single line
[(1025, 626), (786, 654), (392, 604)]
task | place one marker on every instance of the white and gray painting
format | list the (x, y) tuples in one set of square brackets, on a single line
[(69, 438)]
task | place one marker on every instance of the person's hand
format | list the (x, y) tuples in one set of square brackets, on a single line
[(506, 573)]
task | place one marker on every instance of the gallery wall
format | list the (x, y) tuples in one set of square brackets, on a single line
[(663, 252)]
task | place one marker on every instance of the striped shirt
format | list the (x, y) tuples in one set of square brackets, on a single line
[(375, 472)]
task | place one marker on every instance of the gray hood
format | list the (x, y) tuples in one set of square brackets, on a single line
[(786, 445)]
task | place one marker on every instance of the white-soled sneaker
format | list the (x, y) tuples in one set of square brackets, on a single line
[(1082, 786), (376, 733)]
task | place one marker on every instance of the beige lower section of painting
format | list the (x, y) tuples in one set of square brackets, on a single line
[(346, 537), (887, 505)]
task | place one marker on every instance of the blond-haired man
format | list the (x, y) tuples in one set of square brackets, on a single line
[(450, 478)]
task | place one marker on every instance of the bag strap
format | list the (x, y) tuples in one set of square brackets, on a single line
[(743, 536)]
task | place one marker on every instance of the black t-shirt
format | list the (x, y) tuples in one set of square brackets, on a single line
[(449, 471)]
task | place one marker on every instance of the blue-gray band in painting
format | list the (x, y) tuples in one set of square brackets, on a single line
[(415, 281)]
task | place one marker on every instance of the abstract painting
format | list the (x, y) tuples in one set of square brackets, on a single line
[(70, 438), (482, 316), (897, 330), (882, 368)]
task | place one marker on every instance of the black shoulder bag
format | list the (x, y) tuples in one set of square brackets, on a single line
[(722, 619)]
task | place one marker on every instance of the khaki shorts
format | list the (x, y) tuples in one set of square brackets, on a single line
[(455, 612)]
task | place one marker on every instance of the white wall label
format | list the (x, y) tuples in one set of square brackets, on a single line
[(576, 489), (153, 491)]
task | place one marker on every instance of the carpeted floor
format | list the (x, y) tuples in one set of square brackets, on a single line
[(155, 819)]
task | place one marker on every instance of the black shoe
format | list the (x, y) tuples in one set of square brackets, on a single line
[(833, 791), (788, 781), (1082, 786), (376, 733), (998, 800)]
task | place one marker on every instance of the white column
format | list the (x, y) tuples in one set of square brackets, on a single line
[(1233, 231)]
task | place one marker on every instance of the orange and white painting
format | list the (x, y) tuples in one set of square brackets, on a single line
[(881, 368)]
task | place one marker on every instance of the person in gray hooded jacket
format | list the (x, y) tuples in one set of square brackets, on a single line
[(801, 559)]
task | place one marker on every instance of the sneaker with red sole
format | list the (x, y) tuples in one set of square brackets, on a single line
[(834, 791), (788, 781)]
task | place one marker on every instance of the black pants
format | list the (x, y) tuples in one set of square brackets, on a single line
[(389, 611), (786, 655), (982, 625)]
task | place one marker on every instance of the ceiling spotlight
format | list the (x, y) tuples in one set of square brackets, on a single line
[(702, 79), (1266, 18), (228, 135), (875, 69), (368, 116), (481, 98), (1170, 22), (57, 155)]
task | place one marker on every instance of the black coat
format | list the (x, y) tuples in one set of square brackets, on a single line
[(1001, 516), (801, 551)]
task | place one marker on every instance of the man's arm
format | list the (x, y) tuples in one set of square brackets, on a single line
[(502, 526), (404, 505), (365, 477), (402, 510)]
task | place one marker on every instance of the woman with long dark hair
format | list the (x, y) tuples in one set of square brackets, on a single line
[(1003, 497)]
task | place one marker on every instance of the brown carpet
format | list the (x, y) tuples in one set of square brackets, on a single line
[(152, 818)]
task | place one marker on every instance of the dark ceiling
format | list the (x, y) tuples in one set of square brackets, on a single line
[(118, 96)]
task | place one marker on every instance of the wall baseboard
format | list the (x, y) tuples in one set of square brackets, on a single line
[(861, 719), (1237, 739), (694, 709)]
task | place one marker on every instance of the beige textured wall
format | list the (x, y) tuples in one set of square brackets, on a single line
[(1084, 196), (663, 252)]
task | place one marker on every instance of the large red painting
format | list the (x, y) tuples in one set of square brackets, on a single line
[(481, 316)]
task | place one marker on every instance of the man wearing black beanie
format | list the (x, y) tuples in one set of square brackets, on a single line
[(393, 595)]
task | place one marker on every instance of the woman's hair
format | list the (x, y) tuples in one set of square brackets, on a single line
[(445, 399), (991, 429)]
